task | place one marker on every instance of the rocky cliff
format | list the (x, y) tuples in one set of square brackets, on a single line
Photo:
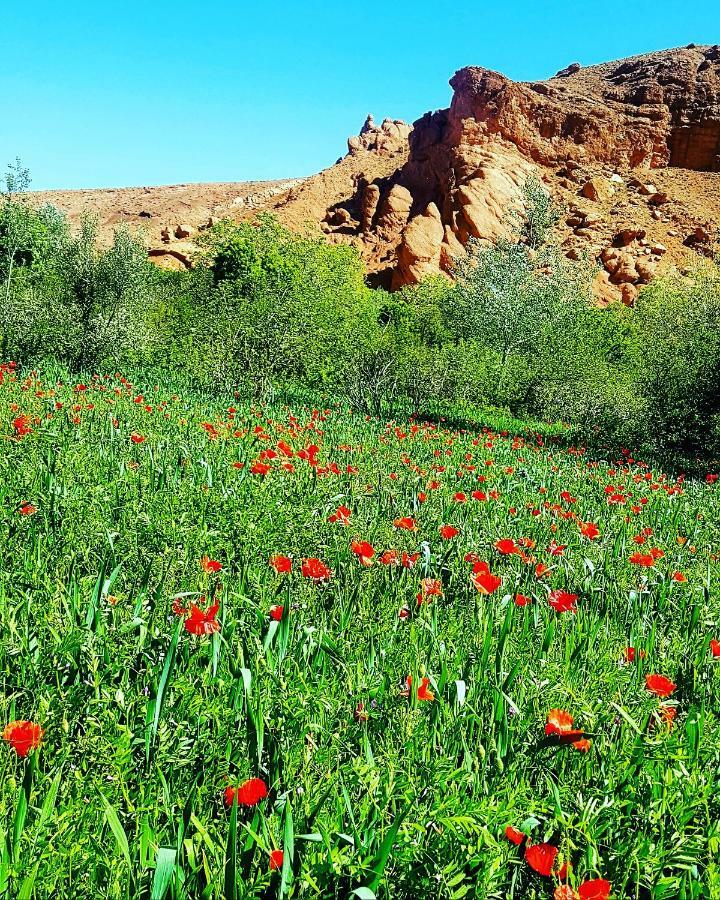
[(602, 139)]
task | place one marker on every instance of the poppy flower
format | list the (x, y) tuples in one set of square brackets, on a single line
[(679, 577), (315, 570), (364, 552), (276, 612), (341, 515), (249, 793), (202, 622), (646, 560), (559, 726), (561, 601), (506, 546), (276, 860), (27, 509), (210, 566), (630, 654), (522, 600), (659, 685), (406, 523), (281, 564), (390, 558), (485, 582), (260, 468), (137, 438), (409, 559), (564, 892), (459, 497), (589, 530), (715, 648), (447, 532), (556, 549), (423, 691), (515, 836), (21, 426), (429, 587), (596, 889), (541, 570), (541, 858), (23, 736)]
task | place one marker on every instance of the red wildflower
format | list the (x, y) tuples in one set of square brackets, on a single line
[(276, 860), (506, 546), (715, 648), (515, 836), (541, 858), (276, 612), (646, 560), (137, 438), (364, 552), (27, 509), (341, 515), (406, 523), (23, 736), (659, 685), (522, 600), (630, 653), (561, 601), (210, 566), (260, 468), (315, 569), (409, 559), (281, 564), (564, 892), (596, 889), (21, 425), (447, 532), (390, 558), (485, 582), (679, 577), (201, 621), (589, 530), (249, 793), (423, 692), (429, 587)]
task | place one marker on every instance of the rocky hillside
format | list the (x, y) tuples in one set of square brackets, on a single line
[(630, 150)]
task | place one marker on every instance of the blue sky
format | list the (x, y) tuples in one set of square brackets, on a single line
[(110, 94)]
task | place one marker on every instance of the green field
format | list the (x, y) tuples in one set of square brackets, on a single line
[(394, 705)]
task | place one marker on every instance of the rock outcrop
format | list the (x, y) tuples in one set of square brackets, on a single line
[(590, 134)]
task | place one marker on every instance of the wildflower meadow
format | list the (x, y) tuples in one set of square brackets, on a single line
[(289, 650)]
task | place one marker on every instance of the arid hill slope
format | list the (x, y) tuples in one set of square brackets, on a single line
[(630, 150)]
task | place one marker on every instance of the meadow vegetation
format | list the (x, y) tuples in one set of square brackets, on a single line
[(293, 604)]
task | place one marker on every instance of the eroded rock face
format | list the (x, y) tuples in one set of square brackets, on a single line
[(466, 165)]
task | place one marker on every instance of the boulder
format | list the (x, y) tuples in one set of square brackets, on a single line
[(369, 205), (420, 248), (394, 211), (598, 189)]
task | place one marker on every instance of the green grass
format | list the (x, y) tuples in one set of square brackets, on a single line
[(146, 724)]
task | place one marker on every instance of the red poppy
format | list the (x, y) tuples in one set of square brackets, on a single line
[(506, 546), (27, 509), (423, 691), (390, 558), (249, 793), (447, 532), (541, 858), (210, 566), (659, 685), (596, 889), (260, 468), (679, 577), (201, 621), (522, 600), (409, 559), (429, 587), (406, 523), (541, 570), (364, 552), (646, 560), (561, 601), (485, 582), (564, 892), (276, 612), (514, 835), (137, 438), (630, 653), (21, 425), (276, 860), (23, 736), (589, 530), (459, 497), (341, 515), (281, 564), (715, 648), (315, 569)]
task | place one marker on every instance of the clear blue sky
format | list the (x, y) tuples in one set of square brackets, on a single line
[(125, 93)]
